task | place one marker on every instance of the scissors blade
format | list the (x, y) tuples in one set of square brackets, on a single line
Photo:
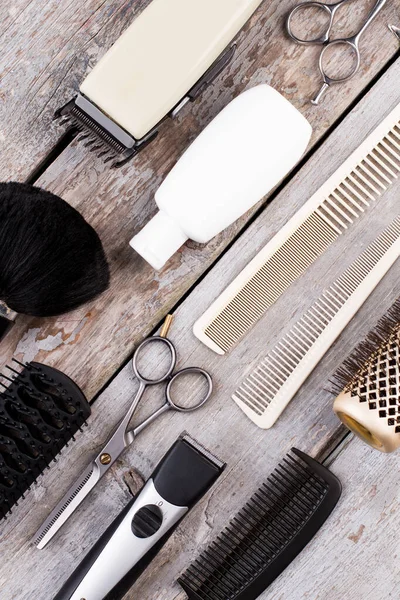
[(67, 505)]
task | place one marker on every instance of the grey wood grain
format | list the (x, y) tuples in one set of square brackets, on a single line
[(251, 453), (91, 343)]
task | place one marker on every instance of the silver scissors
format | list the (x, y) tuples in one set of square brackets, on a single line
[(123, 436), (352, 42)]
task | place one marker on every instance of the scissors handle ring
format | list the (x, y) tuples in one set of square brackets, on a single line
[(201, 402), (299, 8), (147, 342), (345, 41)]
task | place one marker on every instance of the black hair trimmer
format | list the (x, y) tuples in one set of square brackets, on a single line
[(172, 51), (183, 476)]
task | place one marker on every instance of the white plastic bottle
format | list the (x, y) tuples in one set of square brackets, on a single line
[(238, 158)]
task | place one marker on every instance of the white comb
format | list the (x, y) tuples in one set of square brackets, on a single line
[(266, 392), (358, 182)]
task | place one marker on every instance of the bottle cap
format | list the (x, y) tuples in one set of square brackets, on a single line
[(159, 240)]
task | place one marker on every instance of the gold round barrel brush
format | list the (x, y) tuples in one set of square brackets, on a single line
[(369, 403)]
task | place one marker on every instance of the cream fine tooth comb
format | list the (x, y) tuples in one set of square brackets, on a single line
[(266, 392), (369, 385), (341, 200)]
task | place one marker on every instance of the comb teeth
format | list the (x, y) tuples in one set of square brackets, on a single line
[(265, 393), (263, 538), (40, 411), (309, 241), (358, 183)]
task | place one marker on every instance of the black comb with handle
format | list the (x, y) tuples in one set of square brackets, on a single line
[(267, 534), (40, 411)]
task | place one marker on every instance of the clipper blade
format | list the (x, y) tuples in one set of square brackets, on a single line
[(99, 133), (220, 464)]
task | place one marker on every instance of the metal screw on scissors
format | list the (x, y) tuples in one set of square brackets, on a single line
[(352, 42), (123, 436)]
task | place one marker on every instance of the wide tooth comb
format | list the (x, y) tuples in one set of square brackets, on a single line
[(267, 534), (41, 409)]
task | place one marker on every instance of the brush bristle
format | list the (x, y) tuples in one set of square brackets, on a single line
[(51, 260), (357, 364)]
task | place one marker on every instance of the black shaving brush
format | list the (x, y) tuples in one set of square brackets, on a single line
[(51, 259)]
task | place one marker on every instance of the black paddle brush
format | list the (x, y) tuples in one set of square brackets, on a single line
[(51, 260), (41, 409)]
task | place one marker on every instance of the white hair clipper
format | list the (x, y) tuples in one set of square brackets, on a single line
[(167, 57)]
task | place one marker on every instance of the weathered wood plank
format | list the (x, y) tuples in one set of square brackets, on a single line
[(251, 453), (92, 343)]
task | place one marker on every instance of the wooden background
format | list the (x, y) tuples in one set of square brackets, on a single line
[(47, 48)]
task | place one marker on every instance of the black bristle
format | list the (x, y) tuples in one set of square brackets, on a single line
[(266, 534), (356, 363), (32, 430), (51, 260)]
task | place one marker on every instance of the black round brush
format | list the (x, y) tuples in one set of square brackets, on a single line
[(51, 259)]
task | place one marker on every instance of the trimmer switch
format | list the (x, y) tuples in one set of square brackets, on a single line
[(147, 521)]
